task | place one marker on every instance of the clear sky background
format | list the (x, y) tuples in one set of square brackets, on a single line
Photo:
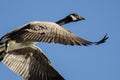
[(72, 62)]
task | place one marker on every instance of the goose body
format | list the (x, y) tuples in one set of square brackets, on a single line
[(27, 60)]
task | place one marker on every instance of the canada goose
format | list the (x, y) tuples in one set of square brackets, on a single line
[(19, 60), (26, 59)]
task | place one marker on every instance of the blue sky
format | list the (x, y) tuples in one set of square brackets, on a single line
[(72, 62)]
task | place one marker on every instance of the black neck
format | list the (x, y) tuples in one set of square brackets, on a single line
[(64, 21)]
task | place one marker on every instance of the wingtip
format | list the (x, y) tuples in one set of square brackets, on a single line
[(103, 40)]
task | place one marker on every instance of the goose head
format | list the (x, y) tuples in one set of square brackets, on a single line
[(74, 17), (70, 18)]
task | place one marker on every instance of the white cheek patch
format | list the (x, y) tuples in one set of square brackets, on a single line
[(73, 18)]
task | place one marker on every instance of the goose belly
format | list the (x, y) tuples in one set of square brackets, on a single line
[(12, 45)]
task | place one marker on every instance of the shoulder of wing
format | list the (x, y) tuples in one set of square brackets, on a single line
[(38, 25)]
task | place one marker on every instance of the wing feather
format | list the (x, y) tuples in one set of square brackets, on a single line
[(31, 64), (46, 32)]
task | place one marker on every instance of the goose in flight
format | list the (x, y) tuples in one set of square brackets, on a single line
[(19, 53)]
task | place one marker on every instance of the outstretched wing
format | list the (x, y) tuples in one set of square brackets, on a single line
[(31, 64), (46, 32)]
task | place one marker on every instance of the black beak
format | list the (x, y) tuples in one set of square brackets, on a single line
[(81, 18)]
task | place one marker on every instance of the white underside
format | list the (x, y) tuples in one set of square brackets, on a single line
[(12, 45)]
